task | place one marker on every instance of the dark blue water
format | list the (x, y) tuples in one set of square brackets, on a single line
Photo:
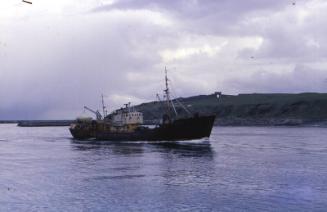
[(241, 169)]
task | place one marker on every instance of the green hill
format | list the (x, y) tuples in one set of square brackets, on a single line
[(250, 109)]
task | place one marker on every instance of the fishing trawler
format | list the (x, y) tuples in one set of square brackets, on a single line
[(126, 124)]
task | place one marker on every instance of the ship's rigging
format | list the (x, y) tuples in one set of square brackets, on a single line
[(169, 102)]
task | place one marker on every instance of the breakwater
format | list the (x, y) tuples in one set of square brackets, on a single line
[(44, 123)]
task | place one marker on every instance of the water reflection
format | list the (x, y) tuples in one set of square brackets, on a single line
[(182, 163), (186, 149), (110, 147), (183, 148)]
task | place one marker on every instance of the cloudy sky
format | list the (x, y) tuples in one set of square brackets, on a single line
[(57, 56)]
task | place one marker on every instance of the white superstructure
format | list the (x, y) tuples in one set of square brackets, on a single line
[(126, 116)]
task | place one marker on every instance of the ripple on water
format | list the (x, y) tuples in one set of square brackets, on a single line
[(237, 169)]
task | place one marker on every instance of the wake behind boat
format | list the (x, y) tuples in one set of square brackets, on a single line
[(126, 124)]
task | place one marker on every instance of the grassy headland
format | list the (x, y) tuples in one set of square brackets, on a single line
[(251, 109)]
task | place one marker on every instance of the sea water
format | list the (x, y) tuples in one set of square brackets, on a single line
[(236, 169)]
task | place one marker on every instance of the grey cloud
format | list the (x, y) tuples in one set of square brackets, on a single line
[(195, 9), (205, 16), (301, 78), (287, 39), (52, 69), (72, 67)]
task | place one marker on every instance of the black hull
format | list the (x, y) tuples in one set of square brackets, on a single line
[(181, 129), (82, 134)]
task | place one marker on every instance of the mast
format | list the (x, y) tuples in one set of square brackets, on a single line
[(167, 94), (169, 102), (103, 107)]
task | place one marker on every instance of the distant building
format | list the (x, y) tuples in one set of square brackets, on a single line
[(218, 94)]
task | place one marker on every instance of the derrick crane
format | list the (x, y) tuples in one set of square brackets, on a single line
[(97, 113)]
